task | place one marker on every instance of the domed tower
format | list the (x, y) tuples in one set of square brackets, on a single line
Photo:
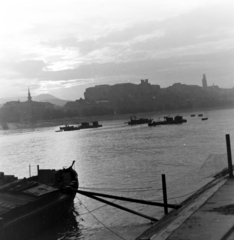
[(204, 81)]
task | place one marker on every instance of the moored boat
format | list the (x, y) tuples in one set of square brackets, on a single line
[(29, 205)]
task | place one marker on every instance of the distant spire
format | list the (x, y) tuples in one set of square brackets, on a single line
[(29, 96)]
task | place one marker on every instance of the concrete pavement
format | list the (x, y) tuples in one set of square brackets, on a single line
[(209, 215)]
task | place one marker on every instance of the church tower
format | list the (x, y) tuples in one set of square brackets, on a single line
[(204, 81), (29, 96)]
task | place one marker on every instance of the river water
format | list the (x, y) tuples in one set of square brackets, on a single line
[(122, 160)]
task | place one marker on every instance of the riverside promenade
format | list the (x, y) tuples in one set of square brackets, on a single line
[(206, 215)]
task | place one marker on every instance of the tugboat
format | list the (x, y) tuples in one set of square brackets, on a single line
[(29, 205)]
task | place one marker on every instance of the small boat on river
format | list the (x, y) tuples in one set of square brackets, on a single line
[(83, 125), (29, 205), (168, 120), (135, 121), (68, 128)]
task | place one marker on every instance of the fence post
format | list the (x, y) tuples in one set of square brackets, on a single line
[(29, 170), (164, 187), (229, 156)]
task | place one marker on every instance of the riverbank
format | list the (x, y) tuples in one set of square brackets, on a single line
[(202, 216)]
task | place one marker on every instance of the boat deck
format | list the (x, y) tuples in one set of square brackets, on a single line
[(20, 193), (10, 201)]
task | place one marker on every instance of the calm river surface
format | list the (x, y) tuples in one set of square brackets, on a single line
[(121, 160)]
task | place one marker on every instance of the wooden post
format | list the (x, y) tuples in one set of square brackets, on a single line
[(229, 156), (164, 187), (38, 170), (29, 170)]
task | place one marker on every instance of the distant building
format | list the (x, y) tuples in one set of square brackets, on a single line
[(121, 91), (204, 81), (28, 111)]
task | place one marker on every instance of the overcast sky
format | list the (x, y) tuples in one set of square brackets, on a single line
[(62, 47)]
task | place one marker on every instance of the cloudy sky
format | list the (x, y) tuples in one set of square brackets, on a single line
[(62, 47)]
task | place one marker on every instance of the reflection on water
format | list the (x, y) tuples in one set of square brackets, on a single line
[(121, 160)]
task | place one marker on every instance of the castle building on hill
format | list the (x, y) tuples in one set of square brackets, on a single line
[(121, 91)]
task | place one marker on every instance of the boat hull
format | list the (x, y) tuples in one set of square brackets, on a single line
[(168, 121), (135, 121), (84, 125), (30, 205), (38, 220)]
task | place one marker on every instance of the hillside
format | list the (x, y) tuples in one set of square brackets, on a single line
[(39, 98), (55, 101)]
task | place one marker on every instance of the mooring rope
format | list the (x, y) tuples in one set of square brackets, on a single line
[(100, 221), (93, 209)]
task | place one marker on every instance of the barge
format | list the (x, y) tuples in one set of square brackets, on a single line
[(29, 205)]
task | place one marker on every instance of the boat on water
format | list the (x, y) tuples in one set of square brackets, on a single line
[(29, 205), (168, 120), (135, 121), (203, 119), (94, 124), (193, 115), (200, 115), (83, 125), (68, 128)]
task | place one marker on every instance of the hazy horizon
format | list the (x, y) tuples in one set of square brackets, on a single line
[(63, 47)]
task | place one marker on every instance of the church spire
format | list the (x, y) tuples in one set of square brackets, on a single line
[(29, 96)]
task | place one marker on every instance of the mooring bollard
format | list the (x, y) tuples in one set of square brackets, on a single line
[(229, 156), (164, 187)]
